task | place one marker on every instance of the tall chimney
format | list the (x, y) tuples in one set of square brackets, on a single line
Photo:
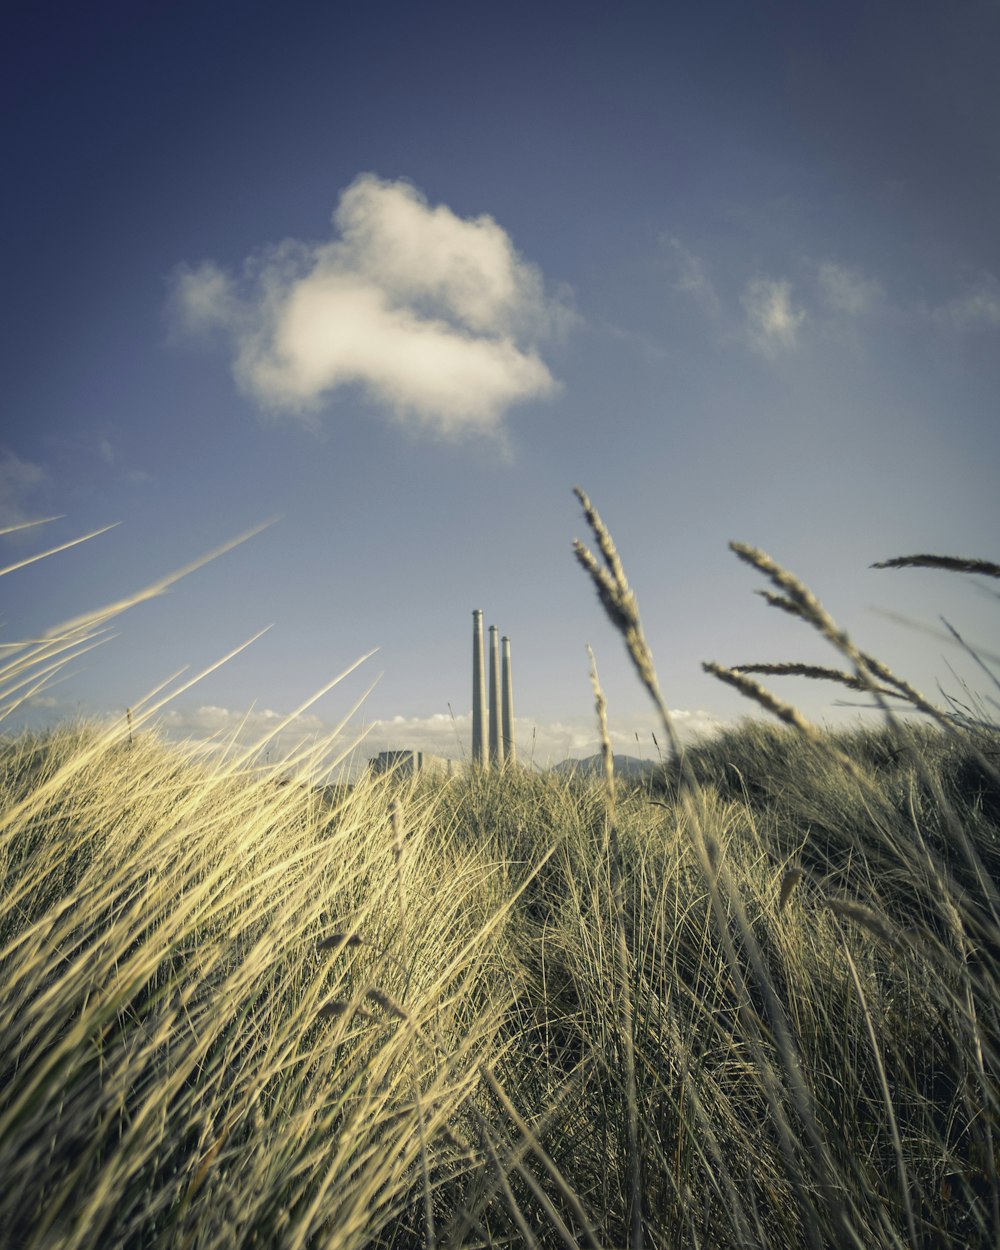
[(478, 690), (496, 742), (508, 706)]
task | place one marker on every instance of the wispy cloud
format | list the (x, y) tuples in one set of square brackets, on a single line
[(691, 277), (847, 292), (110, 453), (19, 480), (767, 319), (435, 317), (831, 303), (977, 307), (772, 321)]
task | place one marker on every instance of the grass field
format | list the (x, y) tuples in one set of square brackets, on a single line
[(750, 1002)]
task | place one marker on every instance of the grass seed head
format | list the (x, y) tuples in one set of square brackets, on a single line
[(788, 883), (954, 564), (338, 941)]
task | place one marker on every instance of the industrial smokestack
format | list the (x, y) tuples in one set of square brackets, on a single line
[(508, 706), (478, 690), (496, 742)]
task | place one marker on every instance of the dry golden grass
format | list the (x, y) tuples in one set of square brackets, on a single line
[(752, 1002)]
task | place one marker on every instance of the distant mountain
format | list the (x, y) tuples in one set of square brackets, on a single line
[(593, 765)]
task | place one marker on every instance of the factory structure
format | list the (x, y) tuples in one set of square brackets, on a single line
[(500, 712), (492, 723)]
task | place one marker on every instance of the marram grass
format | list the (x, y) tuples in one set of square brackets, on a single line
[(750, 1002)]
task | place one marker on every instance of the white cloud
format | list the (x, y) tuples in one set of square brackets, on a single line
[(977, 307), (846, 291), (436, 317), (772, 323), (18, 481)]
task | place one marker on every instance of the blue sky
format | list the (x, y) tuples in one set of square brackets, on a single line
[(403, 275)]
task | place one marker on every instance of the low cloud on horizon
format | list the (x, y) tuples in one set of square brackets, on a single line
[(435, 317), (540, 743)]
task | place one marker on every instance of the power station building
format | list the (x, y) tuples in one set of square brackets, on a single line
[(409, 762)]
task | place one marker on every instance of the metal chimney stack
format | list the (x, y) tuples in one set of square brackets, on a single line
[(508, 706), (478, 690), (496, 742)]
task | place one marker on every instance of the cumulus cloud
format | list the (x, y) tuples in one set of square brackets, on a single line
[(846, 291), (435, 317), (772, 322), (19, 479)]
